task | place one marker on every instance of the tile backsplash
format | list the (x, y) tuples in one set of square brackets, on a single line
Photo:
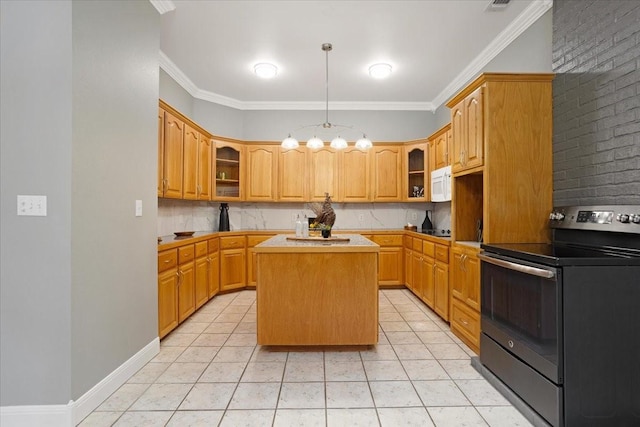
[(187, 215)]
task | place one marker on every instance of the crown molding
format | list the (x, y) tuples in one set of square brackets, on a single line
[(528, 16), (340, 106), (163, 6)]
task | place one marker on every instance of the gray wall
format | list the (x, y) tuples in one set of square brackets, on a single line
[(175, 95), (78, 287), (596, 53)]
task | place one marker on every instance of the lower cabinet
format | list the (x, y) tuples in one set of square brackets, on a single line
[(390, 259), (464, 277), (186, 282), (213, 246), (408, 262), (252, 241), (167, 291), (233, 261), (202, 274)]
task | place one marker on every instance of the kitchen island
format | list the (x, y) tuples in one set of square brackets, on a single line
[(319, 292)]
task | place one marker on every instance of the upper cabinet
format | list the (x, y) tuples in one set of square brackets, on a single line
[(262, 163), (190, 163), (292, 175), (323, 173), (386, 173), (160, 152), (416, 171), (468, 132), (440, 144), (205, 150), (354, 183), (173, 161), (229, 171)]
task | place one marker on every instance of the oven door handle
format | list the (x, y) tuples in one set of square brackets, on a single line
[(539, 272)]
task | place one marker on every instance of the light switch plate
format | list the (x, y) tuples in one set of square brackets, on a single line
[(32, 205), (138, 207)]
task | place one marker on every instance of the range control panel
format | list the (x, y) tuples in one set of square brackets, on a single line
[(622, 218)]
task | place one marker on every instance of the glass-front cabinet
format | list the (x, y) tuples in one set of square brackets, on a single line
[(416, 171), (229, 171)]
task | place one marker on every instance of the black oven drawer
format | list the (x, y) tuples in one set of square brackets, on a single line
[(539, 393)]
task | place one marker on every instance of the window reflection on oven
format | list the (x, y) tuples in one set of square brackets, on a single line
[(522, 305)]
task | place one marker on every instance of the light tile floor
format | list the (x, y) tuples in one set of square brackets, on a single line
[(211, 372)]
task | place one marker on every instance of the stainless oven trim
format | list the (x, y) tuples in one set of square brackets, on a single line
[(526, 269)]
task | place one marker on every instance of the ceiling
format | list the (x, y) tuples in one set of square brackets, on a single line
[(434, 47)]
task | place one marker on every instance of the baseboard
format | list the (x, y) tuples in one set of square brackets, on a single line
[(72, 413)]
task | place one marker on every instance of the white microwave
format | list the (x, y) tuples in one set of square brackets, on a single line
[(441, 184)]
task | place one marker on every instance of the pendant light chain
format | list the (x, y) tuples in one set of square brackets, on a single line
[(327, 48)]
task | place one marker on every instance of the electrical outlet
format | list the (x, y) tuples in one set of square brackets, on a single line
[(361, 217), (414, 216), (138, 207), (32, 205)]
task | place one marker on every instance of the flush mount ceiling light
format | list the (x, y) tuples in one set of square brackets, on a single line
[(380, 70), (338, 142), (265, 70)]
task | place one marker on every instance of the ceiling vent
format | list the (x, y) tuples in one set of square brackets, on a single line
[(497, 5)]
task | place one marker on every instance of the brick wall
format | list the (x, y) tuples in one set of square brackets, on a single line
[(596, 102)]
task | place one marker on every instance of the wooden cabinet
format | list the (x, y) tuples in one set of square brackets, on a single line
[(390, 259), (186, 282), (465, 294), (232, 263), (229, 171), (201, 274), (252, 241), (416, 172), (190, 163), (160, 152), (262, 179), (292, 175), (408, 262), (386, 168), (468, 132), (441, 281), (323, 174), (204, 175), (167, 291), (173, 161), (213, 248), (355, 175), (441, 143)]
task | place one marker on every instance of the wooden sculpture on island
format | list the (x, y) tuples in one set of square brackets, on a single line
[(325, 216)]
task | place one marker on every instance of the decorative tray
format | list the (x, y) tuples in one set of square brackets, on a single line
[(184, 233), (319, 239)]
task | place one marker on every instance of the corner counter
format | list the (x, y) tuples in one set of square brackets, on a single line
[(317, 293)]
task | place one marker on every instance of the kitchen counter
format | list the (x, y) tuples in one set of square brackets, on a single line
[(317, 293)]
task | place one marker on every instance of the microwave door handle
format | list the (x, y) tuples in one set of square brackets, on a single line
[(539, 272)]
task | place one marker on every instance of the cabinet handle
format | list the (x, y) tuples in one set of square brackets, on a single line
[(464, 322), (179, 278), (166, 261)]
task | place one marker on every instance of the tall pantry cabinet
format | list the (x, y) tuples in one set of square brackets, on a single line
[(501, 126)]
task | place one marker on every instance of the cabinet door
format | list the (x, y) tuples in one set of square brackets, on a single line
[(458, 129), (229, 172), (252, 259), (323, 173), (386, 173), (354, 175), (173, 164), (167, 301), (417, 273), (262, 164), (204, 168), (390, 266), (214, 274), (474, 129), (441, 152), (408, 270), (202, 282), (457, 273), (160, 152), (417, 178), (441, 279), (428, 286), (186, 291), (472, 281), (292, 182), (190, 159), (232, 269)]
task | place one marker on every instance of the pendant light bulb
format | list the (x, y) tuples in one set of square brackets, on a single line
[(288, 143), (315, 143), (339, 143), (364, 143)]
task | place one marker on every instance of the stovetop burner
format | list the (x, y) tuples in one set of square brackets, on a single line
[(437, 232)]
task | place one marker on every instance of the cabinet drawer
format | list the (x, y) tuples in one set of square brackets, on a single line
[(236, 242), (428, 249), (466, 321), (442, 253), (387, 239), (408, 242), (254, 240), (201, 249), (186, 254), (417, 244), (214, 245), (167, 260)]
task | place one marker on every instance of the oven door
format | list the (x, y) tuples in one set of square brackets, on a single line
[(521, 311)]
